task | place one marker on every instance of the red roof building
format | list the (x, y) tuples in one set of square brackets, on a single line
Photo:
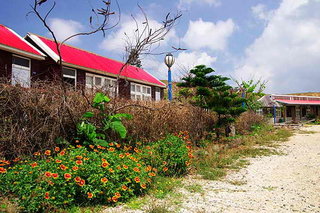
[(24, 60), (10, 41), (291, 108)]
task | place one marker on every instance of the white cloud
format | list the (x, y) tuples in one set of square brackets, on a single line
[(183, 4), (183, 63), (260, 11), (126, 32), (287, 53), (64, 28), (214, 36)]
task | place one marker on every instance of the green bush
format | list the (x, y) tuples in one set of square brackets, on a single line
[(75, 176), (171, 156)]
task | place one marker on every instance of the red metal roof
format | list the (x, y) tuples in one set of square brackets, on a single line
[(9, 38), (85, 59), (299, 102)]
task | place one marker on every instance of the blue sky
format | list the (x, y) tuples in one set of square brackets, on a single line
[(273, 40)]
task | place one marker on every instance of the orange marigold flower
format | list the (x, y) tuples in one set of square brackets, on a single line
[(104, 180), (82, 182), (164, 162), (77, 179), (111, 170), (47, 160), (78, 146), (57, 149), (47, 174), (137, 179), (136, 149), (2, 170), (36, 154), (124, 187), (58, 161), (152, 174), (165, 169), (62, 152), (90, 195), (138, 164), (79, 157), (119, 167), (155, 170), (150, 153), (121, 156), (91, 146), (95, 150), (34, 164), (50, 183), (16, 159), (148, 147), (111, 144), (144, 186), (46, 195), (63, 167), (118, 145), (188, 147), (114, 199), (187, 163), (117, 194), (125, 166), (76, 141), (111, 149), (55, 175), (105, 164), (75, 168), (79, 162), (136, 169), (149, 180), (149, 168), (47, 152), (127, 154), (67, 176)]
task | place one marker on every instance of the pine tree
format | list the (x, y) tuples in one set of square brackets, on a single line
[(213, 93)]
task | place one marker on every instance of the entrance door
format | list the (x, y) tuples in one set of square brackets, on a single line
[(158, 94), (20, 71)]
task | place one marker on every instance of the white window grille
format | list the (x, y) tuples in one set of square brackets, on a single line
[(69, 76), (21, 71), (140, 92), (100, 82)]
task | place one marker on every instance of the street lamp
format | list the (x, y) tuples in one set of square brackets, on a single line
[(169, 61)]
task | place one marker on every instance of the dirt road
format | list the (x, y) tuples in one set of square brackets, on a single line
[(278, 183)]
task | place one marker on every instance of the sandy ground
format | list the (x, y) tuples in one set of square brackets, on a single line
[(278, 183)]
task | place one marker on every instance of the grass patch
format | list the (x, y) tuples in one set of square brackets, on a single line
[(194, 188), (237, 182), (269, 188), (213, 161), (164, 186)]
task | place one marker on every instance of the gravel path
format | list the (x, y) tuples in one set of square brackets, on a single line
[(279, 183)]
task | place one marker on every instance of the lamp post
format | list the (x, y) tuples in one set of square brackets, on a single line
[(169, 61)]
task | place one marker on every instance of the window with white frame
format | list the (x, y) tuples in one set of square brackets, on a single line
[(21, 71), (100, 82), (69, 76), (140, 92)]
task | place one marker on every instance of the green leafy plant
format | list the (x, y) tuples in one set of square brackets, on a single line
[(95, 133), (171, 156)]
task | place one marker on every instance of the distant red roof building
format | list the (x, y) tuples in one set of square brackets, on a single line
[(78, 58)]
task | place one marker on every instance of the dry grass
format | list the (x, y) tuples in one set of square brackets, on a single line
[(32, 119)]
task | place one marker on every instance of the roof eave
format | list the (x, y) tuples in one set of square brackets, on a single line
[(21, 52)]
